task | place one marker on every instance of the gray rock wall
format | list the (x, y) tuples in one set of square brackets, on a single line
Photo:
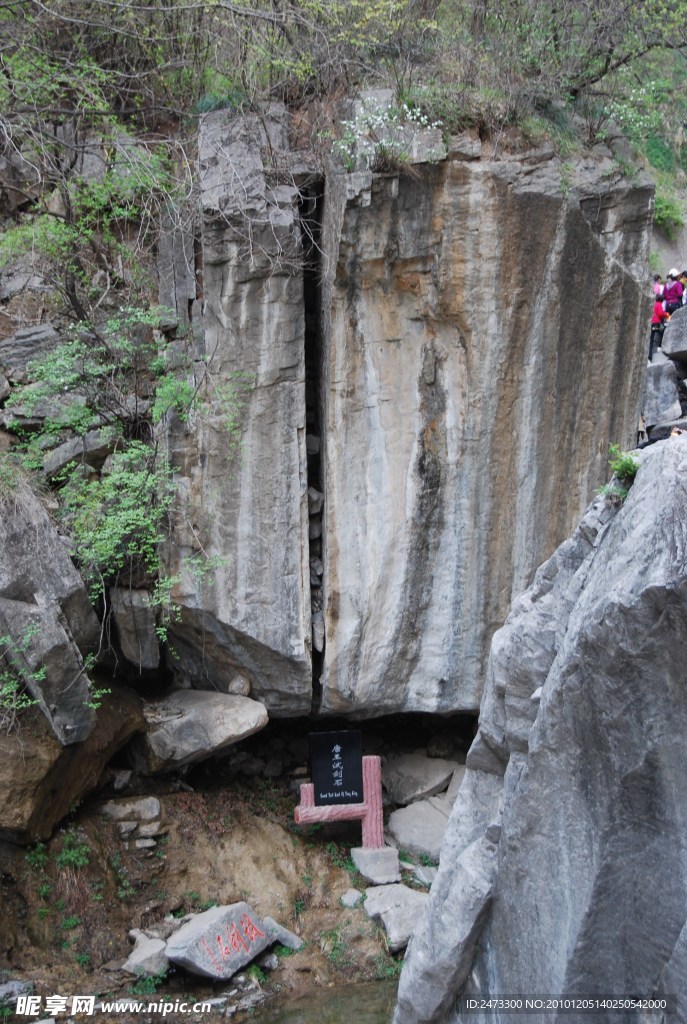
[(481, 343), (484, 343), (572, 812), (243, 500)]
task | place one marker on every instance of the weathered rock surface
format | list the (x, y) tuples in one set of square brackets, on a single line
[(397, 909), (145, 808), (148, 956), (134, 617), (674, 343), (451, 309), (420, 827), (244, 491), (41, 780), (44, 608), (661, 399), (466, 399), (92, 448), (219, 942), (579, 793), (380, 867), (191, 725), (413, 776), (17, 351)]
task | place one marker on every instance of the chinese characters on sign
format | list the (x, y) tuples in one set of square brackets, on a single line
[(336, 762)]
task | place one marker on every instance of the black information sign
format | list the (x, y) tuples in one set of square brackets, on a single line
[(336, 765)]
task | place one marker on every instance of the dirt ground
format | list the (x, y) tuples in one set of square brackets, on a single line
[(68, 905)]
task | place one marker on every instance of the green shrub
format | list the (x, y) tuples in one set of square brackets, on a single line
[(75, 852), (668, 215), (623, 464)]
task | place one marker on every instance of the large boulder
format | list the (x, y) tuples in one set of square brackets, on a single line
[(46, 614), (661, 398), (41, 780), (191, 725), (570, 818), (674, 343)]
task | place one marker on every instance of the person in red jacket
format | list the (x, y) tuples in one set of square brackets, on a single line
[(672, 292), (658, 323)]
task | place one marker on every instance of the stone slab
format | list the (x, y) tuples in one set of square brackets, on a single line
[(134, 616), (379, 867), (146, 808), (398, 909), (220, 941), (412, 777), (420, 827)]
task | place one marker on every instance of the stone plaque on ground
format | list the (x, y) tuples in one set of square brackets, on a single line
[(336, 764), (219, 942)]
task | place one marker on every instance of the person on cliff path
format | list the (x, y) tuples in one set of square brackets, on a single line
[(658, 285), (673, 291), (658, 323)]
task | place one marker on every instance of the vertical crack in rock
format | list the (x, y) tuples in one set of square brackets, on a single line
[(310, 217)]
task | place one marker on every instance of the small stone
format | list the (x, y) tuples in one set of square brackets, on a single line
[(152, 829), (314, 528), (147, 808), (11, 990), (125, 828), (269, 962), (145, 844), (318, 631), (411, 777), (122, 779), (351, 898), (148, 957), (312, 444)]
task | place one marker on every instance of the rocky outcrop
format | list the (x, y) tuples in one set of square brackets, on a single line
[(41, 781), (469, 343), (665, 399), (46, 612), (564, 867), (243, 487), (481, 317)]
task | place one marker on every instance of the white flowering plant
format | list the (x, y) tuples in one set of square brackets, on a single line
[(381, 138)]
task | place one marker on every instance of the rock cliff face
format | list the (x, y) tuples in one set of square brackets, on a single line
[(471, 341), (564, 867), (243, 496)]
